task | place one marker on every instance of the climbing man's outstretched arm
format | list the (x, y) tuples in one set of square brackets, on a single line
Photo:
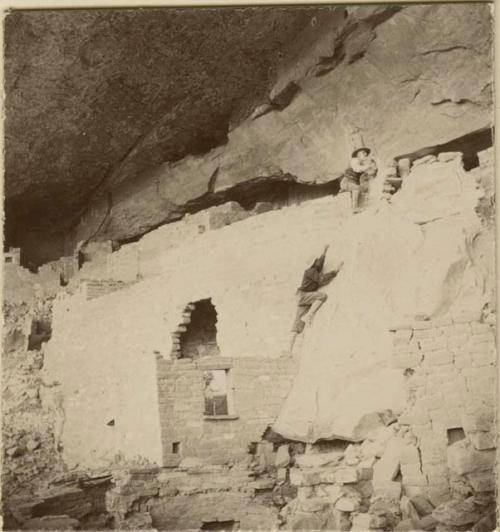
[(321, 259), (327, 277)]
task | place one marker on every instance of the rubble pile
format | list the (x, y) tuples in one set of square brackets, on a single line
[(358, 485), (74, 500), (27, 428)]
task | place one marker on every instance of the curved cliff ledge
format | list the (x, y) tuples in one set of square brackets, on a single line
[(404, 84)]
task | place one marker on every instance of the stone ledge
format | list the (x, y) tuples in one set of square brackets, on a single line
[(220, 418)]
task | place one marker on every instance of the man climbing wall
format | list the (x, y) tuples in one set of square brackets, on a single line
[(310, 298)]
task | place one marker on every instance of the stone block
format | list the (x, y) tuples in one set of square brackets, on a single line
[(427, 523), (328, 476), (304, 492), (365, 469), (439, 494), (447, 330), (483, 440), (52, 522), (482, 338), (481, 328), (466, 316), (307, 521), (313, 504), (412, 491), (307, 460), (406, 360), (387, 467), (339, 520), (347, 504), (402, 336), (420, 325), (281, 474), (422, 505), (440, 357), (282, 458), (408, 510), (304, 478), (433, 344), (368, 425), (414, 481), (410, 470), (407, 525), (457, 513), (477, 422), (483, 481), (445, 157), (296, 477), (387, 489), (361, 521), (332, 492), (346, 475), (410, 455)]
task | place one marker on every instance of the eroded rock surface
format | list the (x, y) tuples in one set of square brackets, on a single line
[(417, 85)]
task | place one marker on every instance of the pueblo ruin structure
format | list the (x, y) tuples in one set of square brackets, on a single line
[(146, 378)]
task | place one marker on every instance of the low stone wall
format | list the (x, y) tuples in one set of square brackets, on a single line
[(450, 368)]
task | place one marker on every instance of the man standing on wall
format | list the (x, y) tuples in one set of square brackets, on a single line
[(361, 169), (310, 298)]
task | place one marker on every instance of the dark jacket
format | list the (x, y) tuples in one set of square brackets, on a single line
[(313, 278)]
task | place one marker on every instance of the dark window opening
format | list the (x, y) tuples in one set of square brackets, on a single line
[(200, 335), (176, 447), (40, 332), (219, 526), (326, 446), (8, 259), (216, 392), (455, 434), (81, 259), (252, 447)]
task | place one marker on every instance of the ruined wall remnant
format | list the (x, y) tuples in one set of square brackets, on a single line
[(450, 366), (254, 315), (115, 338)]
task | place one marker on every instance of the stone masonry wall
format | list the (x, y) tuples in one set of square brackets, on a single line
[(450, 368), (250, 270), (258, 388)]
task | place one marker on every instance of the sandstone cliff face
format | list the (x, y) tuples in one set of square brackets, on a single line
[(274, 94), (94, 97), (405, 79)]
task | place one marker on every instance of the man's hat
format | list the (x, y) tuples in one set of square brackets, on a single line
[(357, 150)]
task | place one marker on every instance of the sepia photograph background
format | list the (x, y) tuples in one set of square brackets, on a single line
[(249, 276)]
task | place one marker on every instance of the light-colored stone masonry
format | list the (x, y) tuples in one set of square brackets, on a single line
[(112, 351), (124, 394), (451, 380), (259, 387), (104, 350)]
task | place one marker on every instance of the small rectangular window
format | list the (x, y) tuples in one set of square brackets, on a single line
[(176, 447), (455, 434), (8, 259), (216, 392)]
